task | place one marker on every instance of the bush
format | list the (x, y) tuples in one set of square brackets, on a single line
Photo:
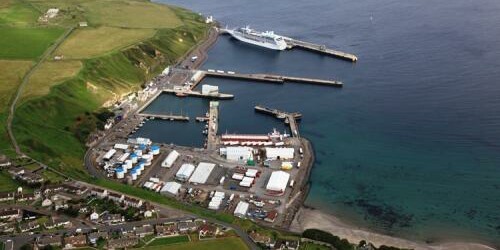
[(319, 235)]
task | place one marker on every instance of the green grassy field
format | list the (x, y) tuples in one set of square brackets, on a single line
[(131, 14), (229, 243), (26, 43), (91, 42), (49, 74), (312, 246), (17, 13), (169, 240), (7, 184)]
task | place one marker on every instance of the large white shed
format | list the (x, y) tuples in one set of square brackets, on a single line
[(280, 153), (170, 159), (202, 173), (185, 172), (278, 181), (239, 154)]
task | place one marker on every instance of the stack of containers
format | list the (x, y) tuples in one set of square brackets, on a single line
[(155, 149), (133, 158), (120, 174), (133, 173), (128, 164)]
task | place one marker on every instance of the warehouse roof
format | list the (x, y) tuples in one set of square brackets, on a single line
[(202, 173), (278, 181)]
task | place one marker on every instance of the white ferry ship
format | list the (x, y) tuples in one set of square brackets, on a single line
[(265, 39)]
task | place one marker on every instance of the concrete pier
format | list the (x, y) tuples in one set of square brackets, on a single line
[(270, 78), (170, 117), (213, 125), (320, 49), (198, 94), (289, 118)]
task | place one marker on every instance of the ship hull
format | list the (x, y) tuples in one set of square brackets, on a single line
[(279, 46)]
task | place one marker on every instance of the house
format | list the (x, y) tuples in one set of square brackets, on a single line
[(287, 244), (28, 227), (148, 214), (4, 161), (46, 203), (27, 197), (60, 204), (75, 241), (122, 242), (6, 196), (115, 197), (83, 24), (166, 230), (7, 228), (271, 216), (94, 216), (16, 171), (186, 226), (54, 223), (72, 189), (207, 231), (93, 237), (112, 218), (101, 193), (30, 178), (10, 214), (52, 189), (144, 231), (49, 240), (132, 202), (260, 238)]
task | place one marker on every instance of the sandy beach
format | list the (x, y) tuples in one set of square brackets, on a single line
[(312, 218)]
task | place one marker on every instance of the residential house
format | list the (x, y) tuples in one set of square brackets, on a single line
[(186, 226), (144, 231), (4, 196), (10, 214), (30, 178), (112, 218), (60, 204), (72, 189), (132, 202), (260, 238), (101, 193), (287, 245), (94, 216), (93, 237), (49, 240), (207, 231), (27, 197), (75, 241), (59, 222), (118, 198), (271, 216), (166, 230), (28, 227), (122, 242), (7, 228), (4, 161)]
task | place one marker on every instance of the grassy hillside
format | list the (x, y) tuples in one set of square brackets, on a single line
[(102, 62), (26, 43)]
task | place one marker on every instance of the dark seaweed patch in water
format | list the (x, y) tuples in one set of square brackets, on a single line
[(471, 213), (389, 217)]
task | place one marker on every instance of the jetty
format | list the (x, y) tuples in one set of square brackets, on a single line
[(199, 75), (170, 117), (213, 125), (320, 49), (182, 93), (289, 118)]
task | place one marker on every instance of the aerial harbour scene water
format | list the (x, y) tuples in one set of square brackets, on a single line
[(168, 124)]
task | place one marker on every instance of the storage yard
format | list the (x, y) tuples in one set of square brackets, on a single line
[(262, 177)]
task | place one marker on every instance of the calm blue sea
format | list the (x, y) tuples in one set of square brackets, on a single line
[(411, 145)]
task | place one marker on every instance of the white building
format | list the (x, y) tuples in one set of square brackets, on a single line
[(202, 173), (171, 188), (170, 159), (239, 154), (278, 181), (94, 216), (185, 172), (121, 146), (280, 153), (241, 209), (109, 154)]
